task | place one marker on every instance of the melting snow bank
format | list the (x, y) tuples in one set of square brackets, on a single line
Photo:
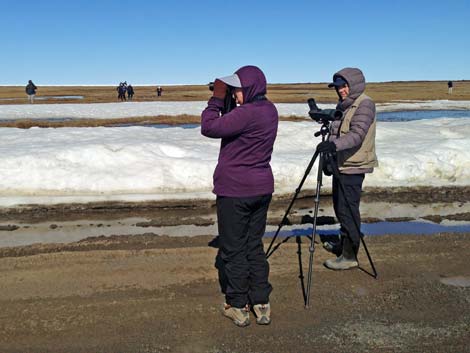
[(143, 163), (139, 109)]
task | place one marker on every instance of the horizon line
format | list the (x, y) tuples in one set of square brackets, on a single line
[(205, 84)]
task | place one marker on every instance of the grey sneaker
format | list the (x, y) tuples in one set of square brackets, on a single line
[(263, 313), (340, 263), (240, 317)]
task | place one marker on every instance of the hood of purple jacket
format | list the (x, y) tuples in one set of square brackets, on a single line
[(253, 82)]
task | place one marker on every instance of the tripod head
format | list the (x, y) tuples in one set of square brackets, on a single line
[(324, 130)]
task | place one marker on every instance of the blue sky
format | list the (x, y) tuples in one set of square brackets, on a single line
[(175, 42)]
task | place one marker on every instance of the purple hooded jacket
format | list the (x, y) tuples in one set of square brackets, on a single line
[(248, 133)]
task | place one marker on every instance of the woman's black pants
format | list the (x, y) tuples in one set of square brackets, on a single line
[(241, 261)]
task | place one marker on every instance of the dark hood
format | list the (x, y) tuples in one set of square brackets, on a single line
[(253, 82), (356, 82)]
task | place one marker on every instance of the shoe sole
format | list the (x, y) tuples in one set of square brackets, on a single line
[(263, 321), (238, 322), (241, 324), (341, 269)]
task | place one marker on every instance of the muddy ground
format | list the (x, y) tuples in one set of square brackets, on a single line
[(160, 294), (151, 292), (435, 209)]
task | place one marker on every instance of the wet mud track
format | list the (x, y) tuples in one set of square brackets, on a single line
[(68, 223), (140, 289)]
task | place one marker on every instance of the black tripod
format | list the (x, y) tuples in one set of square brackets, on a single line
[(324, 157)]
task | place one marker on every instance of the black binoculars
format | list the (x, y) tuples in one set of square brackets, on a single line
[(229, 101)]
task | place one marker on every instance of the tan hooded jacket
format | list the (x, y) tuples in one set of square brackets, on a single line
[(354, 134)]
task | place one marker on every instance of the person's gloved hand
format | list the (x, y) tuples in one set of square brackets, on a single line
[(220, 89), (326, 146), (327, 168)]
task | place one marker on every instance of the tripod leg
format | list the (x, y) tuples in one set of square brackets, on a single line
[(284, 221), (314, 231), (298, 240), (369, 258)]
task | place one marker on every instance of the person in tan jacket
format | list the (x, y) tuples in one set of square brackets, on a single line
[(352, 139)]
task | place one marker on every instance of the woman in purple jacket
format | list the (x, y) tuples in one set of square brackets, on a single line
[(243, 183)]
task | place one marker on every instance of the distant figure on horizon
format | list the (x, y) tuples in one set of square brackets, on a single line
[(30, 90), (450, 85), (122, 89), (159, 91), (118, 89), (130, 92)]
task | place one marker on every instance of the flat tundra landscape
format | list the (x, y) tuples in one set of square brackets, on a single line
[(155, 294), (380, 92), (138, 275)]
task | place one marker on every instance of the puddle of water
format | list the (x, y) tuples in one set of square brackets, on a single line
[(66, 230), (381, 228), (458, 281), (421, 114), (72, 231), (58, 97), (43, 98)]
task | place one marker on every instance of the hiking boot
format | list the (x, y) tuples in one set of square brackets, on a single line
[(340, 263), (239, 316), (263, 313)]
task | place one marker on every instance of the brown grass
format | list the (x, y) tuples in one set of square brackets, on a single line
[(160, 119), (278, 93)]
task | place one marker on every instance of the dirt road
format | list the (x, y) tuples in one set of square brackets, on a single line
[(157, 294)]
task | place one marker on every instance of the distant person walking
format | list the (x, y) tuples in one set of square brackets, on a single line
[(159, 91), (450, 85), (118, 89), (122, 89), (31, 91), (130, 92)]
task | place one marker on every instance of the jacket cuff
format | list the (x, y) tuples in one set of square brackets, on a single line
[(219, 103)]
